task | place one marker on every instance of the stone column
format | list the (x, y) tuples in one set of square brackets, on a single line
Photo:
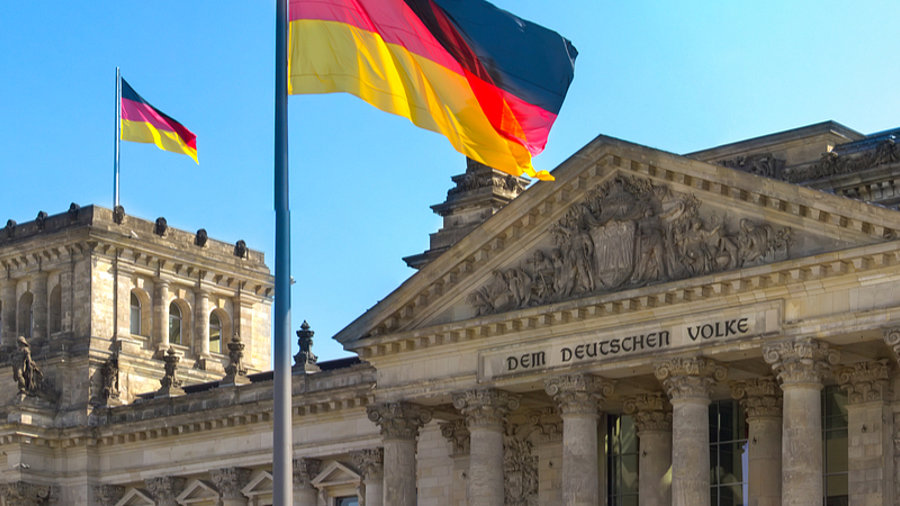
[(800, 366), (161, 316), (305, 471), (39, 306), (687, 382), (8, 298), (870, 432), (653, 420), (761, 399), (229, 481), (165, 489), (577, 396), (201, 319), (485, 411), (370, 463), (400, 423)]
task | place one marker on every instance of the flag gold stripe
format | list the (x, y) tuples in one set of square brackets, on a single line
[(141, 131)]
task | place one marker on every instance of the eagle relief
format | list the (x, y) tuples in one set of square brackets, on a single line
[(629, 233)]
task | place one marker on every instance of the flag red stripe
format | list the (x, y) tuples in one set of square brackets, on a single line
[(142, 111)]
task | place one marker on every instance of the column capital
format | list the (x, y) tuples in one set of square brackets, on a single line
[(370, 461), (800, 361), (458, 434), (108, 495), (689, 377), (305, 470), (165, 489), (230, 480), (578, 393), (864, 381), (760, 397), (892, 338), (651, 412), (23, 492), (399, 420), (485, 407)]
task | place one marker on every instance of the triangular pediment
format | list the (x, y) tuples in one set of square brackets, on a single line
[(260, 484), (622, 217), (198, 492), (335, 474), (135, 497)]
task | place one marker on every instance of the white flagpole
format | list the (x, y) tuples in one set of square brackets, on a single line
[(118, 134)]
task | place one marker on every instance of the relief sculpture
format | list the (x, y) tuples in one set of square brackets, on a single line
[(629, 233)]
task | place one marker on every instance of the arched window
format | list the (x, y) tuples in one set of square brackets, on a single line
[(215, 333), (25, 315), (55, 309), (135, 314), (175, 336)]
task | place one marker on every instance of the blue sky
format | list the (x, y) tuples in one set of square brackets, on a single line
[(679, 76)]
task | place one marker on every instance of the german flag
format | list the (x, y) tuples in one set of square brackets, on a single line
[(141, 122), (490, 82)]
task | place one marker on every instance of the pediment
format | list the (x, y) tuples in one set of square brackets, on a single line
[(135, 497), (335, 474), (619, 217), (260, 484), (198, 491)]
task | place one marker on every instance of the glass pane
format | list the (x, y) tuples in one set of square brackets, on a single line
[(836, 487), (629, 474), (836, 452), (346, 501), (628, 435), (135, 320), (174, 329), (731, 458), (731, 495)]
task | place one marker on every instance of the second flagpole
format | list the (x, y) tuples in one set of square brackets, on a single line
[(118, 134)]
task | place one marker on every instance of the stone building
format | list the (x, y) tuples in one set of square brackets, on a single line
[(721, 327)]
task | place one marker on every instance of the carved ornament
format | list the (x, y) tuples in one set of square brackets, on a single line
[(760, 397), (800, 361), (651, 412), (369, 462), (108, 495), (458, 434), (305, 470), (761, 164), (23, 492), (520, 471), (230, 480), (165, 488), (578, 394), (628, 233), (864, 381), (399, 420), (892, 339), (688, 377), (485, 407), (833, 163)]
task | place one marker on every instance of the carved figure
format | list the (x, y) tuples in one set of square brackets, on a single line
[(201, 238), (240, 249), (41, 220), (25, 371), (160, 227), (109, 373)]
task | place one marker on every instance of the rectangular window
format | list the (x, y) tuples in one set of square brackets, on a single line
[(728, 458), (834, 446), (346, 501), (622, 448)]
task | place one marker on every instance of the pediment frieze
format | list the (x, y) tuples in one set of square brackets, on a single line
[(627, 233)]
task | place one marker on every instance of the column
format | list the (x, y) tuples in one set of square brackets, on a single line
[(305, 471), (761, 400), (229, 481), (201, 325), (800, 366), (67, 306), (485, 411), (39, 306), (161, 315), (687, 382), (400, 423), (165, 489), (8, 297), (869, 431), (456, 432), (653, 420), (370, 463), (577, 397)]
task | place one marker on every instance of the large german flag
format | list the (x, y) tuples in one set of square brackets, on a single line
[(141, 122), (487, 80)]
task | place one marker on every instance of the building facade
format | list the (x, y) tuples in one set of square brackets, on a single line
[(721, 327)]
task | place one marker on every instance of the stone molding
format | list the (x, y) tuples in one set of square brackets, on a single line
[(803, 361), (165, 489), (578, 394), (369, 462), (760, 397), (399, 420), (864, 381), (457, 434), (892, 339), (688, 377), (108, 495), (305, 470), (485, 407), (27, 493), (230, 480), (651, 412)]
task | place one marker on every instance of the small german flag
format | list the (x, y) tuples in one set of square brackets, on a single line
[(141, 122), (490, 82)]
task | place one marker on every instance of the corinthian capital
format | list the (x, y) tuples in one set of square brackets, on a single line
[(760, 397), (457, 433), (892, 339), (399, 420), (370, 461), (485, 407), (864, 381), (689, 377), (651, 412), (230, 480), (578, 393), (800, 361)]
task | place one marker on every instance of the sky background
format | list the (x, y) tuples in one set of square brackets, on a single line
[(679, 76)]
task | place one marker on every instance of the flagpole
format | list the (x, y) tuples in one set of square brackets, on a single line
[(118, 134), (282, 444)]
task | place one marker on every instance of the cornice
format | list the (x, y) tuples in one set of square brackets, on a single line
[(519, 224)]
